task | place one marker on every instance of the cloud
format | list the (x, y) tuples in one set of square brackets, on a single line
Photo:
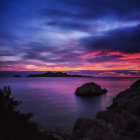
[(70, 34), (85, 15), (123, 40), (62, 57), (100, 8), (107, 73), (94, 9), (69, 25), (104, 58)]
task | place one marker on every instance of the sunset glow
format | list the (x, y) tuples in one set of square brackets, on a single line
[(49, 36)]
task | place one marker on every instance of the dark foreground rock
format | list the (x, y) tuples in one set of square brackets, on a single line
[(121, 121), (89, 90), (136, 84)]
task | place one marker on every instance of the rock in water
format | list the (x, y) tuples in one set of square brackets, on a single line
[(121, 121), (89, 90)]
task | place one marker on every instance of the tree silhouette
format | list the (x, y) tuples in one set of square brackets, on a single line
[(15, 125)]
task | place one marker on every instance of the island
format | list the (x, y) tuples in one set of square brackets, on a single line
[(89, 90), (55, 74), (17, 76)]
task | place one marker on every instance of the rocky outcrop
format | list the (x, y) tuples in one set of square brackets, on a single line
[(89, 90), (121, 121)]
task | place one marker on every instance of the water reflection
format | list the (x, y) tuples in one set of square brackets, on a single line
[(52, 100)]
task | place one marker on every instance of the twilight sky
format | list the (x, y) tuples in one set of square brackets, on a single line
[(70, 35)]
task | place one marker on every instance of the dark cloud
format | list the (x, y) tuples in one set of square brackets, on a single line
[(93, 9), (78, 15), (123, 40), (104, 58), (67, 29), (6, 37), (66, 25), (6, 53), (46, 54), (106, 73), (6, 63), (53, 56)]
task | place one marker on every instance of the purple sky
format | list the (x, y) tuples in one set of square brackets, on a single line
[(70, 35)]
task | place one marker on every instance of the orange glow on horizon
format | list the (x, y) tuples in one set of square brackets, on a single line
[(125, 61)]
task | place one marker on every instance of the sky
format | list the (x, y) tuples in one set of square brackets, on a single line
[(71, 35)]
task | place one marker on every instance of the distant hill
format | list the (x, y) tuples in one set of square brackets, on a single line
[(55, 74)]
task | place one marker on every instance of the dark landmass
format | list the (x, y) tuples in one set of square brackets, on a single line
[(17, 126), (55, 74), (89, 90), (17, 76), (21, 73), (121, 121)]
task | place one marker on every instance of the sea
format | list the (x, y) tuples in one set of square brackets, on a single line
[(53, 102)]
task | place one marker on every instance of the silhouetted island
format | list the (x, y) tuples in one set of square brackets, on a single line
[(89, 90), (17, 76), (55, 74)]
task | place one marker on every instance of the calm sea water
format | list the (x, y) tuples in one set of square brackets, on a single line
[(52, 100)]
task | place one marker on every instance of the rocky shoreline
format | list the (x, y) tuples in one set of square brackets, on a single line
[(121, 121)]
